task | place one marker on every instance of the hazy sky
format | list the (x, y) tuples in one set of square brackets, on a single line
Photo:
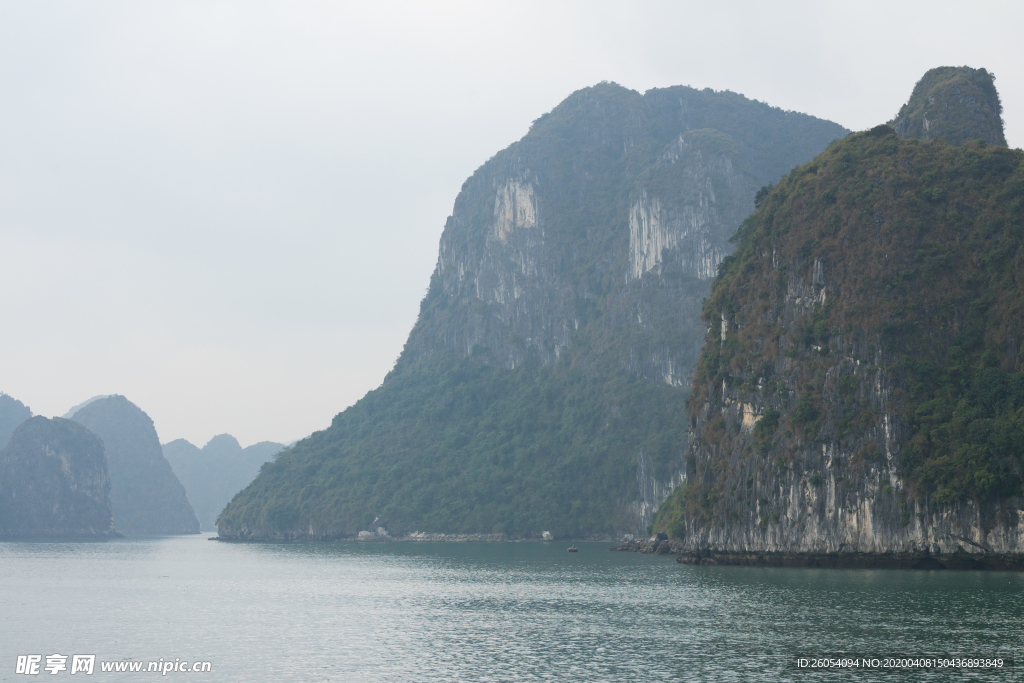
[(229, 211)]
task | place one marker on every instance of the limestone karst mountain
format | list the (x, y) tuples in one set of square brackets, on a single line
[(955, 104), (145, 496), (12, 413), (53, 482), (213, 474), (542, 384), (859, 397)]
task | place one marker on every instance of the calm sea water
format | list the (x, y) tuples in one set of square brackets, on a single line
[(481, 612)]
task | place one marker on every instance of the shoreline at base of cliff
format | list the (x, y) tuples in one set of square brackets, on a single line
[(60, 536), (416, 537), (962, 560), (840, 560)]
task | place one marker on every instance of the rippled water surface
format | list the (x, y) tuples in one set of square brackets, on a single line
[(481, 612)]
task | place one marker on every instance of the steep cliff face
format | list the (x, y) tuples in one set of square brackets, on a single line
[(538, 389), (145, 496), (53, 482), (608, 187), (859, 391), (955, 104), (213, 474)]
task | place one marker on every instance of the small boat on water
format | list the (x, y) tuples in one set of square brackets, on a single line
[(573, 548)]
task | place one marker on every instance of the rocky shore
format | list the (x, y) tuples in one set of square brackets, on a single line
[(448, 538), (959, 560), (383, 535), (660, 544)]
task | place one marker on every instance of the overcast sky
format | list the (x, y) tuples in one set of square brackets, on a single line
[(229, 211)]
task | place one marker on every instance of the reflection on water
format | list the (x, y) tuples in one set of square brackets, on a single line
[(480, 612)]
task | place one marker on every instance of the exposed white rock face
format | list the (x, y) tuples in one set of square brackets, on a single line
[(653, 230), (653, 491), (709, 201), (509, 270), (515, 207), (647, 237)]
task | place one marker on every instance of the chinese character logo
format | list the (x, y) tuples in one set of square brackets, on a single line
[(82, 664), (28, 664), (55, 663)]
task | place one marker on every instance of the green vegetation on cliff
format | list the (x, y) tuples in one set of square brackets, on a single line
[(955, 104), (463, 447), (874, 309)]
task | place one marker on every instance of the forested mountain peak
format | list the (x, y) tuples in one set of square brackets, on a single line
[(955, 104)]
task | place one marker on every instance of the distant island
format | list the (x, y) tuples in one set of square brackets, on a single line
[(146, 497), (109, 462), (53, 482), (213, 474)]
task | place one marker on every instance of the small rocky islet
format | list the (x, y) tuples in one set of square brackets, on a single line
[(54, 482), (96, 473)]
